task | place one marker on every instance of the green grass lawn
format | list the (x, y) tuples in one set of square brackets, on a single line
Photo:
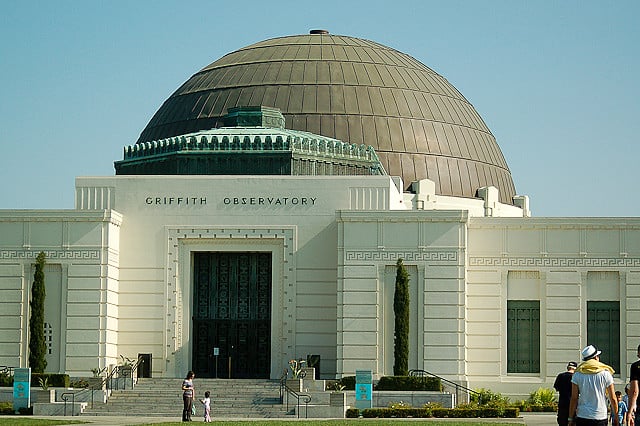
[(350, 422), (25, 421)]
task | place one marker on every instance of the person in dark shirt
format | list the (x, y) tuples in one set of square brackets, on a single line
[(634, 379), (563, 386)]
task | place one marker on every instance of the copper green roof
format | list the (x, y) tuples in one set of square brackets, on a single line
[(250, 150), (353, 90)]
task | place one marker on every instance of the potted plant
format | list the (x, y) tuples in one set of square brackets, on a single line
[(126, 366), (297, 374), (97, 381), (44, 394), (337, 397)]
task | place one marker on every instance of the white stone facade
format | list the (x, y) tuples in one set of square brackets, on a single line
[(120, 276)]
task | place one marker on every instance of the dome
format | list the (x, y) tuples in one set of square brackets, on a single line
[(353, 90)]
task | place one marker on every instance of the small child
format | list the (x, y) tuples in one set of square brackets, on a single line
[(207, 407), (627, 391), (622, 410)]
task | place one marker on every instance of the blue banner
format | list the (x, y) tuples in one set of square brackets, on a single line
[(364, 389), (21, 388)]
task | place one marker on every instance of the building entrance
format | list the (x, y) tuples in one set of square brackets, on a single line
[(232, 314)]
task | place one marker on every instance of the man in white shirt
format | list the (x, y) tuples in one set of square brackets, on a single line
[(591, 384)]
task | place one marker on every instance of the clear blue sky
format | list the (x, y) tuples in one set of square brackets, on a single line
[(556, 82)]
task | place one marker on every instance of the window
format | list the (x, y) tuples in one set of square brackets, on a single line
[(48, 337), (523, 336), (603, 330)]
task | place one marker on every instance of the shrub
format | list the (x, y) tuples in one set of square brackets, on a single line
[(460, 413), (543, 399), (352, 413), (487, 397), (44, 383), (425, 412), (396, 412), (432, 405), (334, 385), (26, 411), (79, 384), (349, 382), (6, 379), (398, 383), (409, 383), (6, 408), (398, 404), (53, 379), (488, 412)]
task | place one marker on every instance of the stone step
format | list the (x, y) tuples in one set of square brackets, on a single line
[(163, 397)]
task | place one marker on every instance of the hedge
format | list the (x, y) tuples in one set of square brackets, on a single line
[(54, 380), (349, 382), (486, 412), (409, 383)]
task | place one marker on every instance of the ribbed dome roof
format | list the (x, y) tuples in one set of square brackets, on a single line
[(354, 90)]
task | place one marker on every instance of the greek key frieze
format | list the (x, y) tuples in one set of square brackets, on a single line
[(409, 256), (51, 254), (555, 262)]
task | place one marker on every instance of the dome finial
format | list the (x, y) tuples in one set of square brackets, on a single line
[(318, 32)]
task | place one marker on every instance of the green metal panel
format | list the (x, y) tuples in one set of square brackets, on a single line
[(255, 150), (603, 330), (523, 336)]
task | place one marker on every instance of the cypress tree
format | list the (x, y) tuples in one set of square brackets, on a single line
[(401, 311), (37, 344)]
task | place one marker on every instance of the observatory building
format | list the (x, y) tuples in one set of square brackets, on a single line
[(259, 217)]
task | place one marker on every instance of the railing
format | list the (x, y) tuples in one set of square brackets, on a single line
[(283, 385), (126, 371), (115, 376), (285, 391), (119, 372), (458, 387), (65, 398), (6, 370)]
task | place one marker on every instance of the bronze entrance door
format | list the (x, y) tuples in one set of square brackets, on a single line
[(232, 315)]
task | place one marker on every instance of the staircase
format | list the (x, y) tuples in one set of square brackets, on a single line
[(163, 398)]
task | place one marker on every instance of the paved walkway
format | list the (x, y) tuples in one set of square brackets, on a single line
[(527, 419)]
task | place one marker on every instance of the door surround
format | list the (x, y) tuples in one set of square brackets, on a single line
[(182, 241)]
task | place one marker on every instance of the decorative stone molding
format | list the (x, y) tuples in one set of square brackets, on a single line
[(51, 254), (409, 256), (554, 262)]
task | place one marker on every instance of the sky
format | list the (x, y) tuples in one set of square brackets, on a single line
[(555, 81)]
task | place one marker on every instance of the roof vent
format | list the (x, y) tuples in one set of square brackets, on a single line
[(318, 32), (250, 116)]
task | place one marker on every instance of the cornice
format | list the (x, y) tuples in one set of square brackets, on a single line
[(461, 216), (62, 216), (567, 223)]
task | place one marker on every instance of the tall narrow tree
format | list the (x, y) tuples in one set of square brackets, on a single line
[(401, 311), (37, 344)]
